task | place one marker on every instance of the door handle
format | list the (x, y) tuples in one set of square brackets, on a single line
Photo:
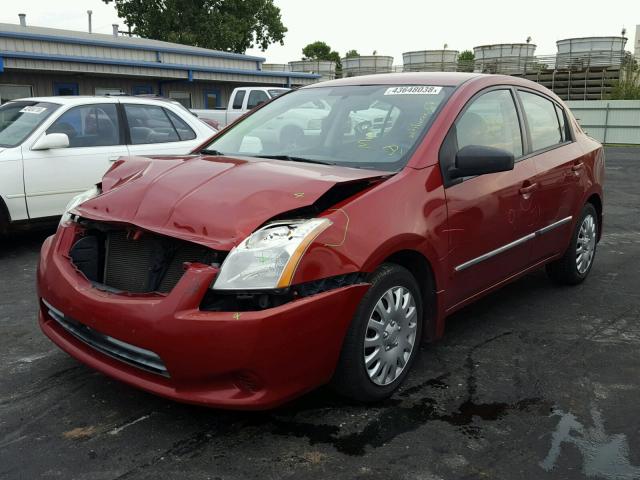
[(114, 158), (577, 167), (528, 189)]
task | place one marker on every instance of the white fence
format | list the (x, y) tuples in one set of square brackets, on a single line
[(609, 121)]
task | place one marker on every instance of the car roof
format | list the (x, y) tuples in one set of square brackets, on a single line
[(452, 79), (90, 99), (407, 78)]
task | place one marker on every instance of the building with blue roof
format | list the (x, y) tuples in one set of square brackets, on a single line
[(38, 61)]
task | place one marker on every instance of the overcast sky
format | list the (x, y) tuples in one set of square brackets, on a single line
[(390, 27)]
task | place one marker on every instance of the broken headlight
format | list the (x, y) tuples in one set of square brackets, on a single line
[(268, 258), (77, 200)]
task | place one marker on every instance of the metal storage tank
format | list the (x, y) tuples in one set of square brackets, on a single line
[(589, 52), (325, 68), (365, 65), (430, 61), (507, 58)]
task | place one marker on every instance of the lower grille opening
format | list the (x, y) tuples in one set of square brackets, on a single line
[(125, 352), (135, 261)]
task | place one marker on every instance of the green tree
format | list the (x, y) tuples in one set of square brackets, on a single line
[(628, 85), (465, 61), (322, 51), (231, 25), (352, 53)]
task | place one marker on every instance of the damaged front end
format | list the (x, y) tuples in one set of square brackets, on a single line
[(127, 244), (125, 259), (122, 259)]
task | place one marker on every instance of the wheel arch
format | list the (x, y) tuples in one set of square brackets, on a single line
[(596, 200), (421, 269)]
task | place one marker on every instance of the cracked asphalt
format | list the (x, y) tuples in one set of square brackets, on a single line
[(533, 382)]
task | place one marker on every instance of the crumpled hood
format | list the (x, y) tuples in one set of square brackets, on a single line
[(214, 201)]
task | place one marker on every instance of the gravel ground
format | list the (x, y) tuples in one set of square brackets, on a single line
[(532, 382)]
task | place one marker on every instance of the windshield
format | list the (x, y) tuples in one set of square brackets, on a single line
[(373, 126), (19, 119)]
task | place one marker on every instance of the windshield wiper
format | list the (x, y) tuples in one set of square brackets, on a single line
[(295, 159), (211, 152)]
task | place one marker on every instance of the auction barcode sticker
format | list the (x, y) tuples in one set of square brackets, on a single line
[(36, 110), (413, 90)]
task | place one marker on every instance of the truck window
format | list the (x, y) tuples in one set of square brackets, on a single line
[(238, 99), (256, 97)]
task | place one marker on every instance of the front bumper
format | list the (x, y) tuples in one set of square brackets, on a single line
[(251, 360)]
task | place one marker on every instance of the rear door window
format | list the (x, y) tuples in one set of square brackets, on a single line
[(149, 124), (89, 125), (256, 97), (544, 126)]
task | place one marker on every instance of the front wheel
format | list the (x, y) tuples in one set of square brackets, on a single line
[(574, 266), (383, 339)]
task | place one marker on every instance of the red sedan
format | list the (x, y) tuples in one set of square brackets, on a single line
[(321, 238)]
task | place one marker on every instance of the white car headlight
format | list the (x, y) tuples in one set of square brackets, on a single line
[(77, 200), (268, 258)]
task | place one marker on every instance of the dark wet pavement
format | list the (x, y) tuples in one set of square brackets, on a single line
[(533, 382)]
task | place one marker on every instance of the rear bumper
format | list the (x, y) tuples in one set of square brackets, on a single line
[(251, 360)]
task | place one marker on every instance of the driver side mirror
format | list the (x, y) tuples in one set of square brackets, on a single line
[(475, 160), (51, 141)]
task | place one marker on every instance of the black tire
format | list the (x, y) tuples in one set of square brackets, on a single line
[(565, 270), (4, 223), (351, 378)]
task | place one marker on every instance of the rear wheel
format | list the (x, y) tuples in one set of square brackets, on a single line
[(576, 263), (383, 339)]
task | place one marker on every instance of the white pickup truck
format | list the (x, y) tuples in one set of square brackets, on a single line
[(242, 100)]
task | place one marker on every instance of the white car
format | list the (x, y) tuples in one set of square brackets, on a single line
[(52, 148)]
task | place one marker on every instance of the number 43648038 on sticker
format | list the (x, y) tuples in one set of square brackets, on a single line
[(413, 90)]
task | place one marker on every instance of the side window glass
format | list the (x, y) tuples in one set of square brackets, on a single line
[(149, 124), (256, 97), (542, 120), (184, 130), (89, 126), (564, 129), (238, 99), (491, 121)]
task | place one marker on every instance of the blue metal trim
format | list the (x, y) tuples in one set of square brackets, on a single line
[(116, 44), (1, 65), (145, 64)]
